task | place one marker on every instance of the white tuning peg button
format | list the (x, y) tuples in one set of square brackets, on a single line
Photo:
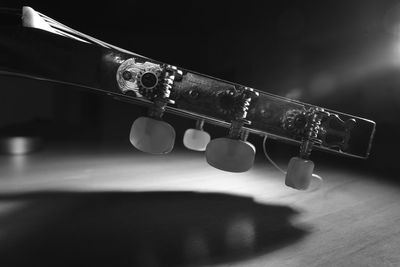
[(196, 139), (230, 154), (152, 136), (299, 173)]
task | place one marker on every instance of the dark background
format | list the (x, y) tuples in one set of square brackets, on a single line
[(342, 55)]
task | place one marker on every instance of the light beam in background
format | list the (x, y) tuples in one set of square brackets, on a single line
[(19, 145), (391, 24), (378, 55), (391, 20)]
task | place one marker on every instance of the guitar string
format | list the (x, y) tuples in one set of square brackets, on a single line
[(55, 24), (63, 28), (65, 34), (33, 77), (66, 31), (269, 158)]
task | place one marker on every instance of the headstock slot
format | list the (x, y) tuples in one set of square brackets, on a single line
[(336, 133)]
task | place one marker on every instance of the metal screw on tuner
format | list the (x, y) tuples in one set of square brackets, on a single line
[(127, 75)]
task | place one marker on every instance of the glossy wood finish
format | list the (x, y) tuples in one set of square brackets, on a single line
[(70, 205)]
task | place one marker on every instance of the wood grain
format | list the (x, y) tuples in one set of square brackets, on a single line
[(63, 202)]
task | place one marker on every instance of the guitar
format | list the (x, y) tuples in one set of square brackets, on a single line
[(42, 48)]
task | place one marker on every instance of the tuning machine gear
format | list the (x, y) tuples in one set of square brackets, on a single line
[(294, 121), (234, 153), (148, 80), (138, 77), (154, 82), (300, 169)]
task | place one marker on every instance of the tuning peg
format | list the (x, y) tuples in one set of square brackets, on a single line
[(299, 173), (231, 155), (196, 139), (154, 82), (300, 169), (234, 153), (152, 135)]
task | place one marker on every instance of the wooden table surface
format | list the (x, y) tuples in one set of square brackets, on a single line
[(77, 206)]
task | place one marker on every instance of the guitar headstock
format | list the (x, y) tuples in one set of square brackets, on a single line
[(93, 64)]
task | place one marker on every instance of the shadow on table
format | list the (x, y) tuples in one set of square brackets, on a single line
[(139, 229)]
